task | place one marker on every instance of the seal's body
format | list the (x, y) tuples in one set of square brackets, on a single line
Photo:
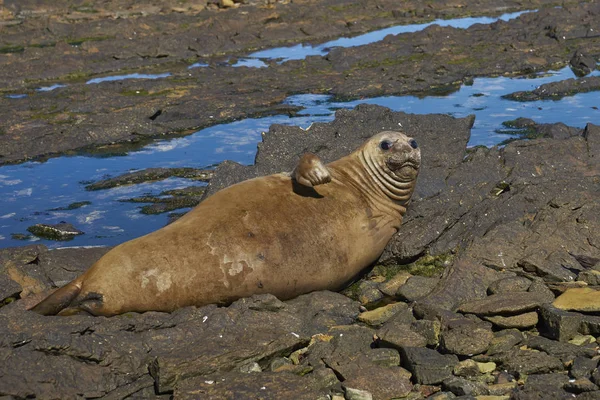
[(277, 234)]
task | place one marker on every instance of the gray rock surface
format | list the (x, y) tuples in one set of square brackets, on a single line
[(492, 237)]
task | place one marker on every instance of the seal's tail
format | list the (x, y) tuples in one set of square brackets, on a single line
[(60, 299)]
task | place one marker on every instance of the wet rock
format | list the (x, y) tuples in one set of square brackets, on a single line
[(583, 367), (72, 206), (416, 287), (466, 338), (558, 90), (579, 299), (503, 303), (582, 64), (390, 287), (520, 321), (512, 284), (62, 231), (151, 175), (380, 315), (427, 366), (463, 387), (169, 200)]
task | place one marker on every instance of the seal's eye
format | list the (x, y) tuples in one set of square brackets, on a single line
[(385, 145), (413, 143)]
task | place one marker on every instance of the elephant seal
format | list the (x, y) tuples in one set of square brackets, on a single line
[(285, 234)]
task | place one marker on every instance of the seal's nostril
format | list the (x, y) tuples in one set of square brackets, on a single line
[(413, 143)]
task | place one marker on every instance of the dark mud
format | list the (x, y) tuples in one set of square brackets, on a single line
[(59, 44), (501, 231)]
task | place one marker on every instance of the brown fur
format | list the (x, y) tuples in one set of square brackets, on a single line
[(265, 235)]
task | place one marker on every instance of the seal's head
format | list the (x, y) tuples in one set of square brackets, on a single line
[(392, 159)]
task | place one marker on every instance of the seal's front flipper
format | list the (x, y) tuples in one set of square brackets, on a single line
[(310, 171)]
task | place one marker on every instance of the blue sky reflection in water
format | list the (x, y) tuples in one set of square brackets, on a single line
[(301, 51), (29, 190)]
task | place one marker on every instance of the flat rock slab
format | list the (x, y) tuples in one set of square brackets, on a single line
[(427, 365), (503, 303), (579, 299)]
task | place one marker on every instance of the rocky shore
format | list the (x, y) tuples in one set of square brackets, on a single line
[(69, 44), (479, 294), (491, 288)]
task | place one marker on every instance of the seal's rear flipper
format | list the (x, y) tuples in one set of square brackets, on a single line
[(60, 299), (310, 171)]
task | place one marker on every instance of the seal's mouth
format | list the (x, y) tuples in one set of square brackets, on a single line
[(396, 165)]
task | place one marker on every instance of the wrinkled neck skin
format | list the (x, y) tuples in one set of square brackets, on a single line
[(378, 184)]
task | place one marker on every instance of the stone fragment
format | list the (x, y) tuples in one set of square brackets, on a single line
[(226, 3), (463, 387), (466, 368), (504, 341), (416, 287), (381, 314), (324, 377), (390, 287), (500, 389), (591, 277), (510, 284), (368, 292), (590, 325), (466, 338), (381, 382), (581, 385), (442, 396), (384, 357), (503, 303), (486, 368), (539, 286), (583, 367), (559, 324), (579, 299), (398, 336), (581, 340), (427, 366), (519, 321), (545, 381), (251, 367), (429, 329), (565, 351), (357, 394), (280, 363), (526, 362)]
